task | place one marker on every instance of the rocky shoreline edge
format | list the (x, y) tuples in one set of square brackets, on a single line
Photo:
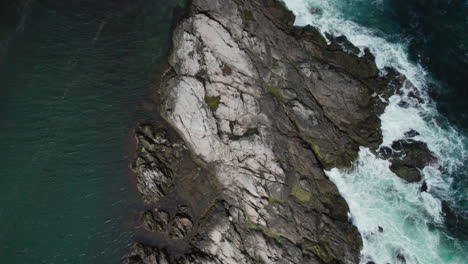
[(248, 115)]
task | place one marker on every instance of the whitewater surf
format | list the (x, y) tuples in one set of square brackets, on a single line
[(398, 222)]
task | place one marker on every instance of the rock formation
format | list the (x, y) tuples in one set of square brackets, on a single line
[(250, 112), (408, 157)]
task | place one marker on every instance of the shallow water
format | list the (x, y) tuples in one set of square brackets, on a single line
[(72, 75), (418, 226)]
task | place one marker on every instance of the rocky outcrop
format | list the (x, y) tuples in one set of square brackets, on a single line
[(408, 157), (253, 111)]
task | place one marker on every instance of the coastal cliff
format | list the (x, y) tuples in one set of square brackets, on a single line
[(248, 115)]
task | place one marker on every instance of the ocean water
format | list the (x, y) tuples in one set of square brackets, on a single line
[(72, 77), (426, 41)]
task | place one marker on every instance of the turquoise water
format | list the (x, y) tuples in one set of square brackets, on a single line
[(71, 79), (426, 41)]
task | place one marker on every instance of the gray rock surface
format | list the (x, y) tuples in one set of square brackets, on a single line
[(251, 111)]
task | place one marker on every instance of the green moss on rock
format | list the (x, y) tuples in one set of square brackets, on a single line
[(274, 86), (320, 251), (275, 92), (326, 160), (248, 15), (271, 234), (300, 194), (265, 230), (275, 63), (274, 200), (213, 102)]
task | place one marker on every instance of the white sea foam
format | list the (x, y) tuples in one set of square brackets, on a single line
[(377, 197)]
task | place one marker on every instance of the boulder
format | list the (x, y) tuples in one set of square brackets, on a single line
[(408, 157)]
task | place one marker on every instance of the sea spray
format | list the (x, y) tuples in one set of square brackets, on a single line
[(397, 221), (380, 200)]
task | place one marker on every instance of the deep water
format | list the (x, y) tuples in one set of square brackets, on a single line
[(427, 40), (436, 35), (72, 74)]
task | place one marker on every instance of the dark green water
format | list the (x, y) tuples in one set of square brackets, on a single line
[(71, 79), (436, 33)]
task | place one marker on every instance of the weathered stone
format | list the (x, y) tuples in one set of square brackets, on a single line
[(408, 158), (341, 43), (254, 110), (410, 174)]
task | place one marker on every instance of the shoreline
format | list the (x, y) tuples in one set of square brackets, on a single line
[(172, 220)]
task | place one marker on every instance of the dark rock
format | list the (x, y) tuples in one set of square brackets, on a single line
[(401, 258), (341, 43), (403, 104), (279, 14), (380, 229), (417, 153), (368, 55), (311, 34), (411, 134), (408, 158), (406, 89), (416, 95), (409, 174), (424, 187), (180, 227)]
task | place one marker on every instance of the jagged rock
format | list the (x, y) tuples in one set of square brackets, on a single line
[(341, 43), (408, 158), (424, 187), (411, 134), (253, 110)]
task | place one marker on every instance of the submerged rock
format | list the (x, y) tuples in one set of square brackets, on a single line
[(411, 134), (401, 258), (251, 111), (315, 11)]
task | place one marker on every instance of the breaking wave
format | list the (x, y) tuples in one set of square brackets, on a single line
[(398, 222)]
